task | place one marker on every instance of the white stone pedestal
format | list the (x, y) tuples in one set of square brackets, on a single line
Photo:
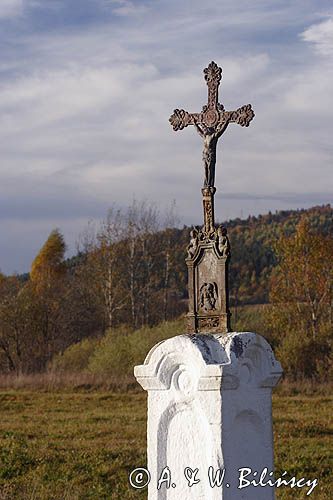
[(209, 408)]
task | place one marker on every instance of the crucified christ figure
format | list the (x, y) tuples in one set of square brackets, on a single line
[(212, 121), (210, 137)]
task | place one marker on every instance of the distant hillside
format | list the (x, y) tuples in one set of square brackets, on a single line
[(251, 247), (252, 256)]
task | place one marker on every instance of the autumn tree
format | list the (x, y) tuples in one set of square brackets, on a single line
[(11, 331), (20, 327), (48, 288), (104, 267), (140, 250), (128, 265), (169, 263), (49, 266), (148, 225), (301, 294)]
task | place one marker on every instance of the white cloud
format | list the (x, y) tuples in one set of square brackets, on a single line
[(321, 36), (59, 94), (125, 7), (310, 90)]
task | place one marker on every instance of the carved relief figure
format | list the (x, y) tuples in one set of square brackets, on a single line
[(193, 245), (208, 296), (223, 242)]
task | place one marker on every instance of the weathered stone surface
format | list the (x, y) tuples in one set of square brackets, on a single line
[(209, 405), (207, 264)]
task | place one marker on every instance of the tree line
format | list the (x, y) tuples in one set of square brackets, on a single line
[(131, 270)]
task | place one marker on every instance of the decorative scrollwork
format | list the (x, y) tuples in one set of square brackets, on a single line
[(179, 119), (201, 236), (243, 115), (213, 73), (208, 323)]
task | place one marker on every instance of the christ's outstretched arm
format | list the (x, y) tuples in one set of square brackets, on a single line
[(199, 130), (221, 127)]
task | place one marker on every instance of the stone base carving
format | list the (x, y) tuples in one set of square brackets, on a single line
[(207, 263), (209, 408)]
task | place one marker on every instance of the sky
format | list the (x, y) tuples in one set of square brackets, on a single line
[(87, 88)]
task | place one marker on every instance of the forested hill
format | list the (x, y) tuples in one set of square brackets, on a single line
[(252, 253), (252, 241)]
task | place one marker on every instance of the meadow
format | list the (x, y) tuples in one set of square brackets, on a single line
[(81, 444)]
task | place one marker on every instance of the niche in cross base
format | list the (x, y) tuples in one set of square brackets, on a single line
[(209, 282)]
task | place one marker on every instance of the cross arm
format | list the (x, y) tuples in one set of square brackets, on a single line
[(181, 119), (242, 116)]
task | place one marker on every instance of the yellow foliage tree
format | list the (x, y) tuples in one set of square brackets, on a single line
[(302, 298), (49, 265), (304, 275)]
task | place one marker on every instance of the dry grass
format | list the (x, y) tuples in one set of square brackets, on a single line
[(304, 387), (80, 445), (66, 381), (53, 381), (70, 445)]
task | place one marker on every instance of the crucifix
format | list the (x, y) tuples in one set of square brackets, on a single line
[(209, 249), (211, 123)]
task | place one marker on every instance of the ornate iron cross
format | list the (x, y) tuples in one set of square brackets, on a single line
[(211, 124), (213, 114), (208, 253)]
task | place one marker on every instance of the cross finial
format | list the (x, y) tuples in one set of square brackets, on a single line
[(213, 75)]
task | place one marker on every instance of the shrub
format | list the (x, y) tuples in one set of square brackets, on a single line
[(302, 356), (113, 355), (116, 353), (75, 358)]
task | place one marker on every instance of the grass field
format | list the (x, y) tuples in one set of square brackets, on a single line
[(70, 445)]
